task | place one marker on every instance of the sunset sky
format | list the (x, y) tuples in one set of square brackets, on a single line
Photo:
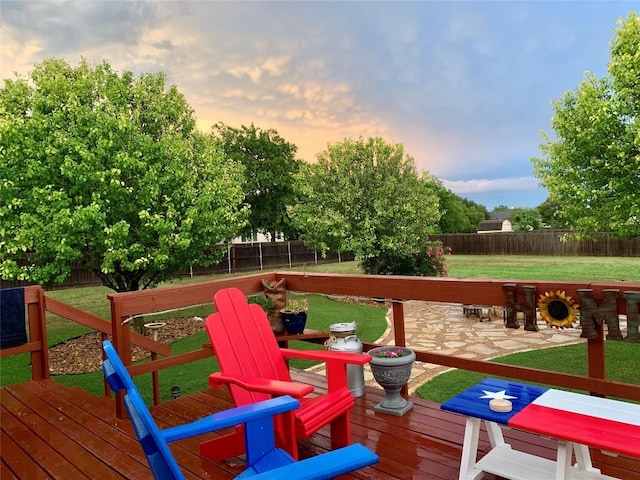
[(465, 86)]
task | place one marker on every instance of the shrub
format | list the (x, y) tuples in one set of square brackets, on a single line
[(427, 260), (265, 302)]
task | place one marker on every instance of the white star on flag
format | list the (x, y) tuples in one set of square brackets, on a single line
[(501, 395)]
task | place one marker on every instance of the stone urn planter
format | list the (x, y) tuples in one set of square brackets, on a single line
[(391, 367)]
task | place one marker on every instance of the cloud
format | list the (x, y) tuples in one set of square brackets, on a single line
[(49, 22), (464, 86), (462, 187)]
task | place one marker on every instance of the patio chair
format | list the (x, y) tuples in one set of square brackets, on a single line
[(254, 368), (264, 460)]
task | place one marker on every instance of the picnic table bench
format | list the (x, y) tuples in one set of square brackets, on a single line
[(577, 421)]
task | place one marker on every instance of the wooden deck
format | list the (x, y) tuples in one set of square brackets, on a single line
[(49, 431)]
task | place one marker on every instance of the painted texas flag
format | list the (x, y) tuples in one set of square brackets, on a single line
[(601, 423)]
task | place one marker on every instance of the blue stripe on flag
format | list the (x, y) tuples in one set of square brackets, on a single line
[(471, 401)]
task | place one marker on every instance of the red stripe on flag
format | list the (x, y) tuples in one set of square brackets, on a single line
[(596, 432)]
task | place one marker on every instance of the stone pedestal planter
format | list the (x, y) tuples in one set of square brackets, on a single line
[(391, 367)]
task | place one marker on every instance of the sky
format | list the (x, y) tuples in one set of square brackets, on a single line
[(465, 86)]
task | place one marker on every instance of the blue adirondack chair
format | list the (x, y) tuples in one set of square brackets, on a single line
[(264, 460)]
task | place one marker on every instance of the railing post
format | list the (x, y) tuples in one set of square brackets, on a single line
[(398, 323), (119, 332), (399, 338), (38, 333), (155, 381), (592, 318), (596, 356)]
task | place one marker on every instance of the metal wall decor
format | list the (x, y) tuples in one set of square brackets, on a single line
[(558, 309)]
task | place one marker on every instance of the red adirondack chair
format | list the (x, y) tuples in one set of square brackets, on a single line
[(254, 368)]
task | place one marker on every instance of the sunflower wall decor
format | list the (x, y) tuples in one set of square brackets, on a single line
[(558, 309)]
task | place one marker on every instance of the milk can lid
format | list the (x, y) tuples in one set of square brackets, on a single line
[(343, 327)]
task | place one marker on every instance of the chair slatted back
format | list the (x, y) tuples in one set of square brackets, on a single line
[(160, 458), (245, 343)]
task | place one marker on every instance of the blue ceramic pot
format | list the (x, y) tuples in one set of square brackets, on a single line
[(294, 322)]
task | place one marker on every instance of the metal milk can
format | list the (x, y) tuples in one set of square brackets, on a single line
[(344, 339)]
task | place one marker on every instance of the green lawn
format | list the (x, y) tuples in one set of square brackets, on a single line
[(525, 267), (370, 320), (322, 313), (528, 267), (622, 364)]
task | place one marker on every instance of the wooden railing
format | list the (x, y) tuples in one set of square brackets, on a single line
[(38, 304), (509, 294), (605, 301), (37, 344)]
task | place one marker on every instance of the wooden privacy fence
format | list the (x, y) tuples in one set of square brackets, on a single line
[(538, 242), (245, 257)]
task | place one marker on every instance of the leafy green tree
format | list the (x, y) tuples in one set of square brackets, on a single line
[(108, 170), (459, 215), (548, 211), (525, 219), (366, 197), (475, 212), (499, 208), (270, 165), (592, 167), (454, 217)]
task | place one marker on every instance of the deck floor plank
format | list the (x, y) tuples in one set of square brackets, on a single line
[(51, 431), (17, 427), (92, 429), (17, 461)]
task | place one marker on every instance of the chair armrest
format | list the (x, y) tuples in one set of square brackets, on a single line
[(326, 465), (262, 385), (327, 356), (231, 418)]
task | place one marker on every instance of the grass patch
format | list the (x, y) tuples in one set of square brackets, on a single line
[(371, 323), (622, 364), (323, 312), (193, 377), (529, 267), (190, 378), (524, 267)]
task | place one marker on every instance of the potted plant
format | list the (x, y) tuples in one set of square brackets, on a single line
[(294, 315), (265, 302), (391, 367)]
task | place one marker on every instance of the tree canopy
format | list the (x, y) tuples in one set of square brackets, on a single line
[(459, 215), (592, 166), (525, 219), (270, 164), (365, 196), (108, 170), (548, 211)]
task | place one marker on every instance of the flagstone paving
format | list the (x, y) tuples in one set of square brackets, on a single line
[(444, 328)]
